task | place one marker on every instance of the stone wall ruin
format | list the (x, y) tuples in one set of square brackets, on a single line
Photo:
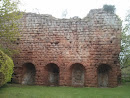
[(69, 52)]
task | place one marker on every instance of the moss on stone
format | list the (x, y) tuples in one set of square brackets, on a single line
[(6, 68)]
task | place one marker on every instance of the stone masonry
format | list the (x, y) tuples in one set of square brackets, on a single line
[(69, 52)]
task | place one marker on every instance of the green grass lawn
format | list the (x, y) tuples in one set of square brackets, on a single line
[(20, 91)]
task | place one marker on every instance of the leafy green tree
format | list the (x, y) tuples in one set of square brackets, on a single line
[(125, 43), (9, 31)]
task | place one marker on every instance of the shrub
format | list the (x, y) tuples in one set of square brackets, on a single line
[(6, 68), (109, 8)]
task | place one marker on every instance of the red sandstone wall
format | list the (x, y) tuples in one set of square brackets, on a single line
[(91, 41)]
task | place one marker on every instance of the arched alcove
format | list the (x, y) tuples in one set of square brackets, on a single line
[(103, 75), (78, 73), (29, 72), (53, 74)]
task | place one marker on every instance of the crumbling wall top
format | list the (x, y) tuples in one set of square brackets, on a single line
[(95, 18), (99, 18)]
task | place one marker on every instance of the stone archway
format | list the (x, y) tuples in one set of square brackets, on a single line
[(53, 74), (78, 73), (29, 72), (103, 75)]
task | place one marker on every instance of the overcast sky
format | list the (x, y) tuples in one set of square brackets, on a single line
[(78, 8)]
